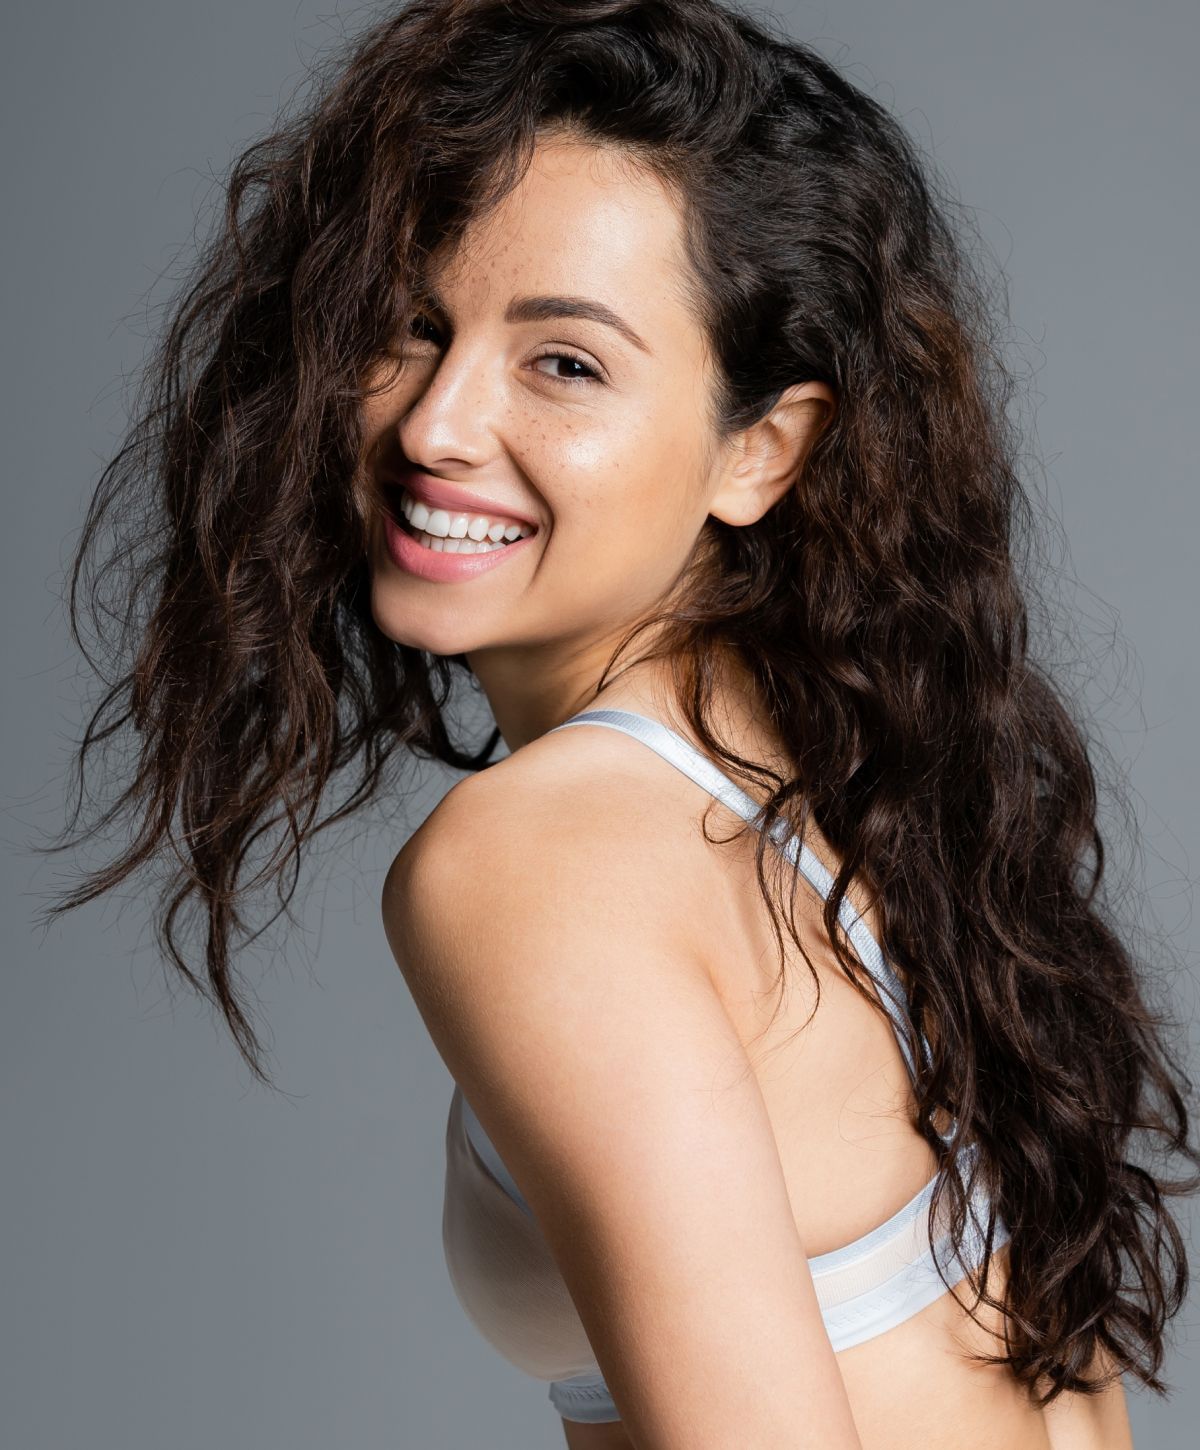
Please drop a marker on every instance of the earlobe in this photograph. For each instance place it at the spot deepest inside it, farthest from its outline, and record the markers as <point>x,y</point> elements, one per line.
<point>768,456</point>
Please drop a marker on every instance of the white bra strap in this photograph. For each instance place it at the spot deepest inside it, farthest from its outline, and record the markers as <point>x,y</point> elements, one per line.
<point>685,757</point>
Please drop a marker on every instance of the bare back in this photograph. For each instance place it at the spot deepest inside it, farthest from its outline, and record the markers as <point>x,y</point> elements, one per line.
<point>837,1093</point>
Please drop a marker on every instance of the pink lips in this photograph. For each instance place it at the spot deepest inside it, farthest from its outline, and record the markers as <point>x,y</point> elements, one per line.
<point>414,558</point>
<point>438,493</point>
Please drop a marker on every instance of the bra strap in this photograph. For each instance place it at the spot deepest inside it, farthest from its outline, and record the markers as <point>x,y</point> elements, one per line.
<point>685,757</point>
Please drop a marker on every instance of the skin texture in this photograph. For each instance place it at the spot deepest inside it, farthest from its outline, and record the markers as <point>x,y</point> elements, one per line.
<point>579,953</point>
<point>620,474</point>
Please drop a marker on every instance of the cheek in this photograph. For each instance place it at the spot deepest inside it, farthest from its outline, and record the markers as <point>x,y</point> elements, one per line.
<point>632,477</point>
<point>387,397</point>
<point>376,416</point>
<point>638,460</point>
<point>623,528</point>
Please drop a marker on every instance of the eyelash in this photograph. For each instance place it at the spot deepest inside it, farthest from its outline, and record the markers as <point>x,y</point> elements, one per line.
<point>593,375</point>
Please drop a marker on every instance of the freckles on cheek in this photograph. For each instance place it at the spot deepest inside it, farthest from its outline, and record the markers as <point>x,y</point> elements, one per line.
<point>611,469</point>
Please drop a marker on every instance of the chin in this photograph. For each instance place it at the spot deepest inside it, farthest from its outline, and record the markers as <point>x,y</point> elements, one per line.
<point>398,621</point>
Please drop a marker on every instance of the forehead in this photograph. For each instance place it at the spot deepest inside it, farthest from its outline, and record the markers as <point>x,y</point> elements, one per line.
<point>584,219</point>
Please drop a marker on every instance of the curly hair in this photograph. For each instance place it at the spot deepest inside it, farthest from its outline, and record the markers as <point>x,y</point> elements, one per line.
<point>879,604</point>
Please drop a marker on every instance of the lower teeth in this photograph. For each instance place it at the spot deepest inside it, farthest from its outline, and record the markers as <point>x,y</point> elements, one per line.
<point>437,543</point>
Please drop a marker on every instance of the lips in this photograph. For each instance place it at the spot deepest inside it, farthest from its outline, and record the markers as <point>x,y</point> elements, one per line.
<point>439,493</point>
<point>433,566</point>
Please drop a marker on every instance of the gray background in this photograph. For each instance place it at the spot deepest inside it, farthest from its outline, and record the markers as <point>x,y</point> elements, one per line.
<point>191,1261</point>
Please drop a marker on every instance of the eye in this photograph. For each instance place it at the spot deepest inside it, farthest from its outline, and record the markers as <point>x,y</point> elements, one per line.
<point>410,335</point>
<point>422,329</point>
<point>589,374</point>
<point>419,324</point>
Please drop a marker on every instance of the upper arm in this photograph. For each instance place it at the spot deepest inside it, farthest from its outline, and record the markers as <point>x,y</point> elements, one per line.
<point>568,1003</point>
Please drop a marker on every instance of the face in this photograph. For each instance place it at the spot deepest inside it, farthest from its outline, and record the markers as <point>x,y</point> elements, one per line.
<point>590,430</point>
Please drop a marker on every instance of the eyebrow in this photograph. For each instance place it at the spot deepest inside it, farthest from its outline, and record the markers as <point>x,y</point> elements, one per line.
<point>544,308</point>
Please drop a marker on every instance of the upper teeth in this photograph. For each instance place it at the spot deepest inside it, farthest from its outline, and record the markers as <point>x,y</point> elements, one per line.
<point>446,525</point>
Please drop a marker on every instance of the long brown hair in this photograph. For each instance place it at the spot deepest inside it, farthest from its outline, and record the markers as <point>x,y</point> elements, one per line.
<point>879,604</point>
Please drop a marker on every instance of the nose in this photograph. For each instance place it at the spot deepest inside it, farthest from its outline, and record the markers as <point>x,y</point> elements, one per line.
<point>452,417</point>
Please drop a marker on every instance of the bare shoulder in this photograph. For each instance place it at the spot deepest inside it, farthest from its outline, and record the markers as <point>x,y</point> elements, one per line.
<point>539,926</point>
<point>585,811</point>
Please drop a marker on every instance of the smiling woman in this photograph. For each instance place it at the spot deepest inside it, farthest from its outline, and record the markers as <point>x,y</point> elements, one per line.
<point>547,329</point>
<point>617,468</point>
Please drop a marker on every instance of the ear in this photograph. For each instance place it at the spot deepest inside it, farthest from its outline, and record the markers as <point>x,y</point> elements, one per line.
<point>764,460</point>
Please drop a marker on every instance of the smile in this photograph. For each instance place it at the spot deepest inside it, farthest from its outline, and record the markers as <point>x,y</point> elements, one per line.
<point>456,532</point>
<point>442,544</point>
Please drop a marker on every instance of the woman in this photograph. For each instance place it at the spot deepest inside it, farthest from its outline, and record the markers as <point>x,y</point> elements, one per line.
<point>620,359</point>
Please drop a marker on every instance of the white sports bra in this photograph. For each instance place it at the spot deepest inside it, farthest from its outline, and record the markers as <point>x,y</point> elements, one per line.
<point>501,1267</point>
